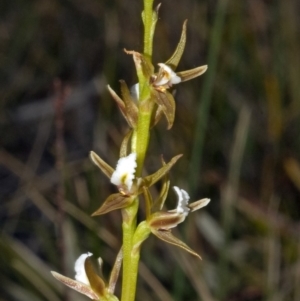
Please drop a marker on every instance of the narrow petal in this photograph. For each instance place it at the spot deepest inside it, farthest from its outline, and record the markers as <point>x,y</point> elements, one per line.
<point>126,106</point>
<point>97,284</point>
<point>118,100</point>
<point>159,203</point>
<point>124,173</point>
<point>152,179</point>
<point>113,202</point>
<point>198,204</point>
<point>192,73</point>
<point>114,275</point>
<point>131,110</point>
<point>166,101</point>
<point>176,56</point>
<point>124,145</point>
<point>105,168</point>
<point>142,63</point>
<point>158,114</point>
<point>168,237</point>
<point>148,201</point>
<point>165,220</point>
<point>76,285</point>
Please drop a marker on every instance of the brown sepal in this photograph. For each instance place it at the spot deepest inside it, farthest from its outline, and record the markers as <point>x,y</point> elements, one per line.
<point>165,100</point>
<point>128,113</point>
<point>141,63</point>
<point>114,275</point>
<point>76,285</point>
<point>113,202</point>
<point>118,100</point>
<point>165,220</point>
<point>105,168</point>
<point>131,108</point>
<point>152,179</point>
<point>148,201</point>
<point>124,145</point>
<point>198,204</point>
<point>168,237</point>
<point>192,73</point>
<point>176,56</point>
<point>159,203</point>
<point>157,116</point>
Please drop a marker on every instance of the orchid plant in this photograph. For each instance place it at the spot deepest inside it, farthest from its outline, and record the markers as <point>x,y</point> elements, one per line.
<point>142,107</point>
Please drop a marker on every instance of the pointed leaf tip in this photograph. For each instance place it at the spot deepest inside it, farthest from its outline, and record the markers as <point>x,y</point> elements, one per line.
<point>168,237</point>
<point>75,285</point>
<point>173,61</point>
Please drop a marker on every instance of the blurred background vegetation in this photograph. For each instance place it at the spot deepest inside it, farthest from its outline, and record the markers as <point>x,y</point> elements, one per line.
<point>238,127</point>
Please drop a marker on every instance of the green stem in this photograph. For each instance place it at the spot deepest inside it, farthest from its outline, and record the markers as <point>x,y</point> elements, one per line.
<point>148,18</point>
<point>129,273</point>
<point>139,145</point>
<point>142,134</point>
<point>129,291</point>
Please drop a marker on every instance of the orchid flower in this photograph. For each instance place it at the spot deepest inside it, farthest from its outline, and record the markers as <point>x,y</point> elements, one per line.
<point>159,83</point>
<point>124,178</point>
<point>87,282</point>
<point>160,223</point>
<point>142,107</point>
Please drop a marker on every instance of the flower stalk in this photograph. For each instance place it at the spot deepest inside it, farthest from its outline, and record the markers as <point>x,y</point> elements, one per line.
<point>139,145</point>
<point>149,17</point>
<point>142,109</point>
<point>130,263</point>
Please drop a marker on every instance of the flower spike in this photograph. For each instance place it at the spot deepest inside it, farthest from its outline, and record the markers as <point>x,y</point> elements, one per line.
<point>142,106</point>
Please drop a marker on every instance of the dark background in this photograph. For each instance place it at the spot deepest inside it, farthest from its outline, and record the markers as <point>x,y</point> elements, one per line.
<point>237,126</point>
